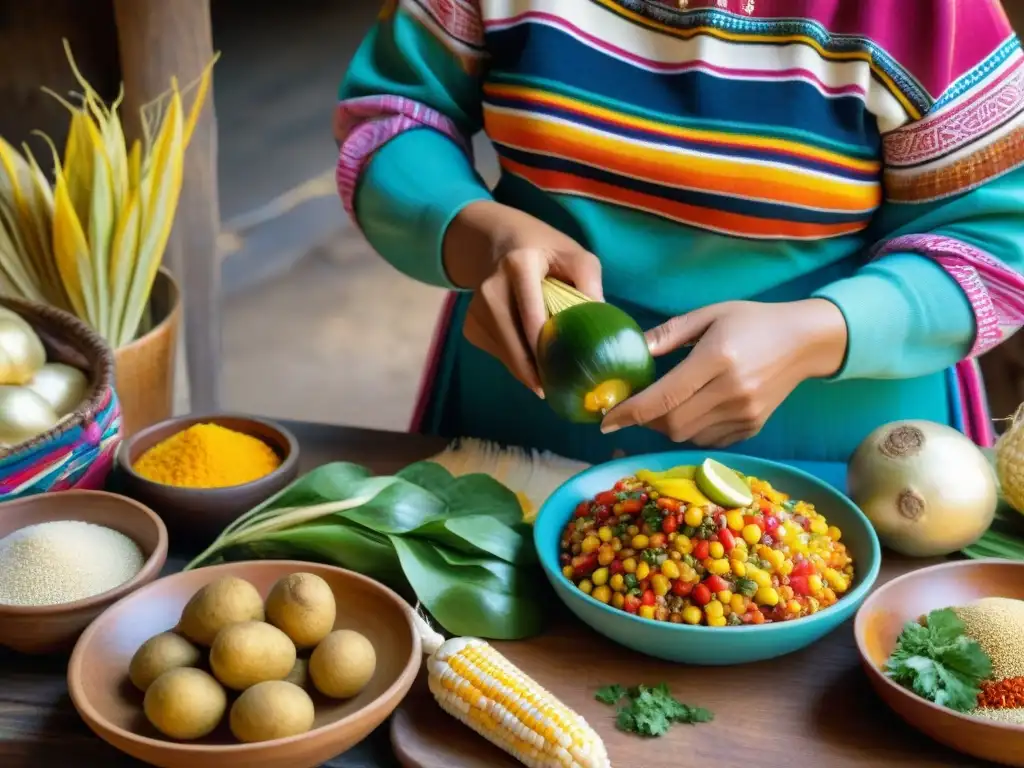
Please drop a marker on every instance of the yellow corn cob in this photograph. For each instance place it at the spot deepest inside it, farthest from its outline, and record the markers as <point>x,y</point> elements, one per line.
<point>477,685</point>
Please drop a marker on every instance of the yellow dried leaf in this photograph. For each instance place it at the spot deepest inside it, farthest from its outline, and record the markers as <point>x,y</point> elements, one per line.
<point>101,226</point>
<point>123,252</point>
<point>71,251</point>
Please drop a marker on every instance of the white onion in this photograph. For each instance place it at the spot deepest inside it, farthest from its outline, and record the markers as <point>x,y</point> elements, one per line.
<point>927,489</point>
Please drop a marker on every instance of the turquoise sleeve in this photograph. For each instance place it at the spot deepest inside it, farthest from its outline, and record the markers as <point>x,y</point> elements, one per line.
<point>906,315</point>
<point>418,181</point>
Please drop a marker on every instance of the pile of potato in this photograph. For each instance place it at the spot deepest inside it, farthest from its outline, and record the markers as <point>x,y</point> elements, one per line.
<point>256,649</point>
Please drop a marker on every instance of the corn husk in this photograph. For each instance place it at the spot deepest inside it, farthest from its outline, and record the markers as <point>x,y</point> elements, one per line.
<point>559,296</point>
<point>93,241</point>
<point>532,475</point>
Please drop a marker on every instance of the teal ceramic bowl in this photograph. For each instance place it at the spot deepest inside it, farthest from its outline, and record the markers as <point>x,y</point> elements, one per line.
<point>699,644</point>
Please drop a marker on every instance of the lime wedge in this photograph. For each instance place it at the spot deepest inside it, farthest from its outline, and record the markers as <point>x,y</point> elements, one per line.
<point>722,485</point>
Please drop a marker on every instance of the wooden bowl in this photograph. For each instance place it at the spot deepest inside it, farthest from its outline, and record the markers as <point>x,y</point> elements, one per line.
<point>195,516</point>
<point>54,628</point>
<point>112,708</point>
<point>909,597</point>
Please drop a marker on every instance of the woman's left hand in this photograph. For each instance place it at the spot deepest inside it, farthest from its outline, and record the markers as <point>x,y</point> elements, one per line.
<point>747,358</point>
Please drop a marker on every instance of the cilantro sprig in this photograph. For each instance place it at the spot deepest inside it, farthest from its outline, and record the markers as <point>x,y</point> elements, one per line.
<point>938,662</point>
<point>649,711</point>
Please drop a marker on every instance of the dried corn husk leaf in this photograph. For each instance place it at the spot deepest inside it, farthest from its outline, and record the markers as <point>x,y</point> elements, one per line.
<point>160,187</point>
<point>122,258</point>
<point>101,225</point>
<point>42,225</point>
<point>71,251</point>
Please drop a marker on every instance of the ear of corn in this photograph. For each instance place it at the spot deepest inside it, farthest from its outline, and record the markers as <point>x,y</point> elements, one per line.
<point>475,684</point>
<point>92,242</point>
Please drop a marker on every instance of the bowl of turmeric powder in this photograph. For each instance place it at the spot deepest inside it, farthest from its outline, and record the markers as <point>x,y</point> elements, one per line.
<point>201,472</point>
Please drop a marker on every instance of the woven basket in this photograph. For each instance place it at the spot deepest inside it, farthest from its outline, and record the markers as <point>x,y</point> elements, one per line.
<point>79,451</point>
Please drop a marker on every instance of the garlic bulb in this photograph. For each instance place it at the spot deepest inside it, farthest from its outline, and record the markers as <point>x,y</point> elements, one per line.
<point>23,415</point>
<point>62,386</point>
<point>21,351</point>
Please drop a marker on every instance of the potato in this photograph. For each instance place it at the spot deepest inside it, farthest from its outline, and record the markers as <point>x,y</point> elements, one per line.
<point>185,703</point>
<point>302,606</point>
<point>271,710</point>
<point>342,664</point>
<point>221,603</point>
<point>160,654</point>
<point>249,653</point>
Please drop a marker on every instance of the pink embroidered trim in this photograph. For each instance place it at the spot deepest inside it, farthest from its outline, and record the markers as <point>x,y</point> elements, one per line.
<point>960,124</point>
<point>365,124</point>
<point>996,291</point>
<point>458,19</point>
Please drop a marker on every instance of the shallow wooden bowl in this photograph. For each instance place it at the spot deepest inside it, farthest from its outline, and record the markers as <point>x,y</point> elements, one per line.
<point>112,708</point>
<point>909,597</point>
<point>54,628</point>
<point>194,516</point>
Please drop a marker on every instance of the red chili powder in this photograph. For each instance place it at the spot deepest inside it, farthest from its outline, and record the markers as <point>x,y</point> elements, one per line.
<point>1002,694</point>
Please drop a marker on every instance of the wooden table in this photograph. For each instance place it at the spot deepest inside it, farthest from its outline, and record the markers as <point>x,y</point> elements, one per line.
<point>816,705</point>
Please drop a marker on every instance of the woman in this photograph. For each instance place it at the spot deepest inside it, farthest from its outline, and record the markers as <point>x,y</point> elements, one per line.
<point>814,205</point>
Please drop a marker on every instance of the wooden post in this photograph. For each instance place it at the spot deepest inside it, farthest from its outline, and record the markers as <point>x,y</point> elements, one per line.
<point>158,39</point>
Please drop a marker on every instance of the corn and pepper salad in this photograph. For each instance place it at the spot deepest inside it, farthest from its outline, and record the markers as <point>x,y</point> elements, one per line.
<point>683,559</point>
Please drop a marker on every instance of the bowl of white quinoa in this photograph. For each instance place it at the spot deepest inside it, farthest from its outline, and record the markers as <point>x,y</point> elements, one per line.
<point>65,558</point>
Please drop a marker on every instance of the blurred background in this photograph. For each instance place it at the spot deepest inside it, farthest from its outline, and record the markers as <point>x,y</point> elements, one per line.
<point>315,326</point>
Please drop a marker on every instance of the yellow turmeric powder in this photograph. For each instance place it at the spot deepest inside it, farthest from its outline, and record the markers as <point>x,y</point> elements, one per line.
<point>207,456</point>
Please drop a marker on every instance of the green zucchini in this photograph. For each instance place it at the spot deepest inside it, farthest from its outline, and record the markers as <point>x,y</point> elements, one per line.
<point>591,356</point>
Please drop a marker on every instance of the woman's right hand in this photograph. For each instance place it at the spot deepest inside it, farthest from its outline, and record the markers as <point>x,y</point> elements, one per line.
<point>503,255</point>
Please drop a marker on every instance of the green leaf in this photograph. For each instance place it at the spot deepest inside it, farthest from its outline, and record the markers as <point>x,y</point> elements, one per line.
<point>610,694</point>
<point>428,475</point>
<point>342,544</point>
<point>481,533</point>
<point>400,508</point>
<point>470,601</point>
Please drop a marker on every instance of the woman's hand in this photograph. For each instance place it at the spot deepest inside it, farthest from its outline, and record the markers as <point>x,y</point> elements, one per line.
<point>503,255</point>
<point>747,358</point>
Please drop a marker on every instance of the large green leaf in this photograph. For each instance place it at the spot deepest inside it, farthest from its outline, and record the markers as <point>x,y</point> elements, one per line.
<point>475,494</point>
<point>475,534</point>
<point>471,600</point>
<point>399,508</point>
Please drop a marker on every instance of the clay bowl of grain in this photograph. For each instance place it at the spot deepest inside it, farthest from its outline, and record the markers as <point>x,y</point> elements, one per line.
<point>99,685</point>
<point>195,516</point>
<point>951,585</point>
<point>87,549</point>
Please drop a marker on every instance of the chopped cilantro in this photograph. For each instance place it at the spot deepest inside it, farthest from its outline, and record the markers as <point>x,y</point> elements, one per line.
<point>789,505</point>
<point>620,530</point>
<point>650,711</point>
<point>746,587</point>
<point>651,555</point>
<point>631,581</point>
<point>689,531</point>
<point>938,662</point>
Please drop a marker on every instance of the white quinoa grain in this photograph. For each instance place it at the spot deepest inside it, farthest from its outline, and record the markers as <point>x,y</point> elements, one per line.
<point>65,560</point>
<point>997,624</point>
<point>1010,716</point>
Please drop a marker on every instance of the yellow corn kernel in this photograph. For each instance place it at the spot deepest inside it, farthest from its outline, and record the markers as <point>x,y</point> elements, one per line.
<point>646,611</point>
<point>716,621</point>
<point>751,534</point>
<point>738,603</point>
<point>632,531</point>
<point>834,533</point>
<point>692,614</point>
<point>618,599</point>
<point>785,592</point>
<point>670,569</point>
<point>617,582</point>
<point>616,545</point>
<point>786,568</point>
<point>813,605</point>
<point>814,584</point>
<point>643,570</point>
<point>468,677</point>
<point>836,580</point>
<point>602,593</point>
<point>599,577</point>
<point>734,519</point>
<point>688,574</point>
<point>567,571</point>
<point>586,586</point>
<point>766,596</point>
<point>719,567</point>
<point>725,596</point>
<point>605,555</point>
<point>590,544</point>
<point>716,550</point>
<point>819,526</point>
<point>640,541</point>
<point>714,608</point>
<point>604,533</point>
<point>739,553</point>
<point>629,565</point>
<point>693,517</point>
<point>828,595</point>
<point>793,607</point>
<point>660,584</point>
<point>739,568</point>
<point>683,545</point>
<point>761,578</point>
